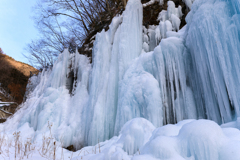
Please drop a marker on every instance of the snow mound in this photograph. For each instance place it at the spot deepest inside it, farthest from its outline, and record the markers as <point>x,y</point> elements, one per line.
<point>189,139</point>
<point>135,134</point>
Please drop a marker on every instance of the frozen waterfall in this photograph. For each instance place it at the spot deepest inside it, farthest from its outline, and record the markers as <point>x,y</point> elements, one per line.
<point>191,74</point>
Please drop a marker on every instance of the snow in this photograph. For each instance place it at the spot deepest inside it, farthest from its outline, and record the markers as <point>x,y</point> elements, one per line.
<point>139,139</point>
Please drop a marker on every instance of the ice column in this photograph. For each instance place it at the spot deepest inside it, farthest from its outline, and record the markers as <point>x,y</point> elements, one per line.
<point>130,46</point>
<point>214,47</point>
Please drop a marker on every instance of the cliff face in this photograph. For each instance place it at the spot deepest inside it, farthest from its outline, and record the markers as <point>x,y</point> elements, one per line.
<point>14,77</point>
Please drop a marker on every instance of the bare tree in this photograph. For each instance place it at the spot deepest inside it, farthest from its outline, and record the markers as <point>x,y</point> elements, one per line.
<point>1,51</point>
<point>61,21</point>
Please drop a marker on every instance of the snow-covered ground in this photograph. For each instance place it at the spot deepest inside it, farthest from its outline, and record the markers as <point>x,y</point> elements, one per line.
<point>138,140</point>
<point>123,106</point>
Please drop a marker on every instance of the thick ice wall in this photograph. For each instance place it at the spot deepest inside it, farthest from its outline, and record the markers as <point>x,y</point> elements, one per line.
<point>113,52</point>
<point>98,89</point>
<point>213,42</point>
<point>154,87</point>
<point>139,94</point>
<point>177,97</point>
<point>104,85</point>
<point>73,130</point>
<point>130,46</point>
<point>112,90</point>
<point>235,6</point>
<point>61,66</point>
<point>50,103</point>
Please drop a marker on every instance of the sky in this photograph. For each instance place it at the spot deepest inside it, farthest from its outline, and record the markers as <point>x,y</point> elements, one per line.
<point>16,27</point>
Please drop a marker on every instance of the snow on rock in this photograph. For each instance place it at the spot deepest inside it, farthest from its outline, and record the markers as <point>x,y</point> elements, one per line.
<point>169,21</point>
<point>163,16</point>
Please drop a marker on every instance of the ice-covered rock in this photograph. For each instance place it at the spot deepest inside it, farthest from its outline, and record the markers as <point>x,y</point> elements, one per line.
<point>169,21</point>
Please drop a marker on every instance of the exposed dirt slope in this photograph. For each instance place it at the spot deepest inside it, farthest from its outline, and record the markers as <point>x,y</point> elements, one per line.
<point>20,66</point>
<point>14,76</point>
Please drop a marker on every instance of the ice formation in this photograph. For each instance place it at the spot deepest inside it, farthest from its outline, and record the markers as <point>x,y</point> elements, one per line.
<point>161,2</point>
<point>169,20</point>
<point>144,78</point>
<point>188,3</point>
<point>213,45</point>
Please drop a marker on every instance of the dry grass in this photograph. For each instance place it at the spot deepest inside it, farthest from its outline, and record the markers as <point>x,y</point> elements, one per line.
<point>19,149</point>
<point>20,66</point>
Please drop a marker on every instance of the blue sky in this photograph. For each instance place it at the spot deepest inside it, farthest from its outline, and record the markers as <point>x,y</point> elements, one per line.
<point>16,27</point>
